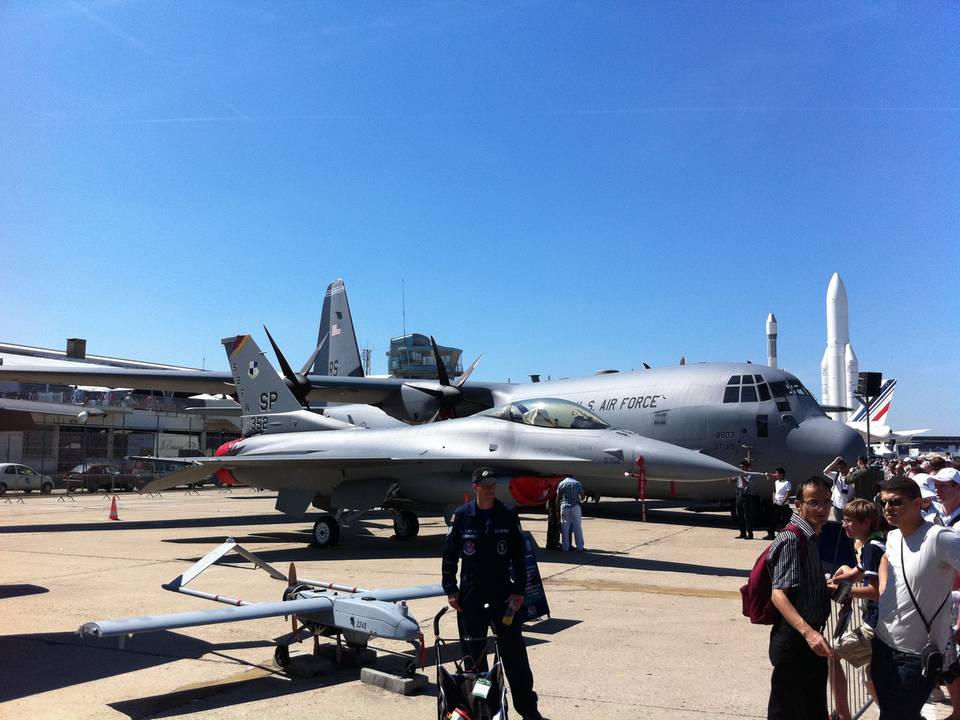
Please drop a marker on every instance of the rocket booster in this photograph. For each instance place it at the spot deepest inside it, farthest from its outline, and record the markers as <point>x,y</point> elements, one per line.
<point>839,367</point>
<point>771,340</point>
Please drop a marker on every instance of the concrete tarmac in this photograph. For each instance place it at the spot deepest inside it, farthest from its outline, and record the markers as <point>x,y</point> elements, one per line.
<point>645,624</point>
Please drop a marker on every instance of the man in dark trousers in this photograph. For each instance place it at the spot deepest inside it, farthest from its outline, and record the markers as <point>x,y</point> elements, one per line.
<point>798,650</point>
<point>486,540</point>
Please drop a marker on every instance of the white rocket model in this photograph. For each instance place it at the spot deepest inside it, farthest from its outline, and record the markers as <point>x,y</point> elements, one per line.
<point>839,367</point>
<point>771,340</point>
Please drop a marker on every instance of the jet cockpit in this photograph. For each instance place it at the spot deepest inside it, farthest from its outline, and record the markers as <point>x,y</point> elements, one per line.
<point>549,412</point>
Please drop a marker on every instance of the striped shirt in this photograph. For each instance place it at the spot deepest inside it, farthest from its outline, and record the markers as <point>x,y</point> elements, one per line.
<point>569,491</point>
<point>799,572</point>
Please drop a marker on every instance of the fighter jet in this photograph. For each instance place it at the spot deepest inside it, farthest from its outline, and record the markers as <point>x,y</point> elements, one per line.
<point>725,410</point>
<point>532,443</point>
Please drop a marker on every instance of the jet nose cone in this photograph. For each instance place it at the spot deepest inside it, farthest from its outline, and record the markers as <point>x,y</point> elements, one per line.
<point>819,440</point>
<point>663,461</point>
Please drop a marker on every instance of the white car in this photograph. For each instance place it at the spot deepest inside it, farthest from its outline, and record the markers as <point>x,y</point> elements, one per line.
<point>20,477</point>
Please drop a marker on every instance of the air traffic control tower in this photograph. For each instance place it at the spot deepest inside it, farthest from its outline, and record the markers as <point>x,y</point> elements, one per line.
<point>411,356</point>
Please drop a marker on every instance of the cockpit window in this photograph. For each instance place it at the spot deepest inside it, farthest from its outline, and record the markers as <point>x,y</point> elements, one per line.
<point>549,412</point>
<point>778,388</point>
<point>734,380</point>
<point>795,387</point>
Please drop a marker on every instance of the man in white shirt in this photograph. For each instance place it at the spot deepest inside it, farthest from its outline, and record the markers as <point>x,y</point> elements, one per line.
<point>780,512</point>
<point>916,577</point>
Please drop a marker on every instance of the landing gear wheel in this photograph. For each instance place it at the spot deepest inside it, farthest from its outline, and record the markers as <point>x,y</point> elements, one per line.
<point>281,656</point>
<point>326,532</point>
<point>405,525</point>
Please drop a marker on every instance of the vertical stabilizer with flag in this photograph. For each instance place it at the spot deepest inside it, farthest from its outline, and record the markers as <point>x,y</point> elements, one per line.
<point>340,354</point>
<point>879,407</point>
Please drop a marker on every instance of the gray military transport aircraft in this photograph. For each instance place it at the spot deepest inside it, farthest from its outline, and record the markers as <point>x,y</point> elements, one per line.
<point>726,410</point>
<point>533,442</point>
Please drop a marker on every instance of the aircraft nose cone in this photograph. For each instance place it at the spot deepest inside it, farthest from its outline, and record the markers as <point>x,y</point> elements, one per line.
<point>663,461</point>
<point>817,441</point>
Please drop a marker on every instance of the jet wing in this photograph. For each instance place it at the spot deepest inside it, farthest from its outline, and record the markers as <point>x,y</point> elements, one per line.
<point>48,408</point>
<point>194,382</point>
<point>316,460</point>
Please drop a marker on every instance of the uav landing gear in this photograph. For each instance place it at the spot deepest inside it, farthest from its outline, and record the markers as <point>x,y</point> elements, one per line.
<point>326,532</point>
<point>406,526</point>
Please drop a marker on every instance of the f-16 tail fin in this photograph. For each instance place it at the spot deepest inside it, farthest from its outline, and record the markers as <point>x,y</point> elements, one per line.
<point>879,407</point>
<point>340,354</point>
<point>266,403</point>
<point>259,388</point>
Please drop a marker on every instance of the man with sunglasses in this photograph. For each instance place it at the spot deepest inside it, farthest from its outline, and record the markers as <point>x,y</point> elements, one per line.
<point>916,577</point>
<point>798,650</point>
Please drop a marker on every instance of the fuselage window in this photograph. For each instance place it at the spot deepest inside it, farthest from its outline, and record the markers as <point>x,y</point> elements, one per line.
<point>783,406</point>
<point>748,393</point>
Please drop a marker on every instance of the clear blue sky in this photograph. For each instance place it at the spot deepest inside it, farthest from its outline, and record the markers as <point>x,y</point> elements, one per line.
<point>563,186</point>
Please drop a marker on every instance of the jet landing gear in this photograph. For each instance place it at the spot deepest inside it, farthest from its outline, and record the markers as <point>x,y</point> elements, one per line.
<point>406,526</point>
<point>326,532</point>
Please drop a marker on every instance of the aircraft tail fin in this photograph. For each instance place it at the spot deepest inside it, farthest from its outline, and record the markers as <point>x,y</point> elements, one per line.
<point>260,389</point>
<point>879,409</point>
<point>340,354</point>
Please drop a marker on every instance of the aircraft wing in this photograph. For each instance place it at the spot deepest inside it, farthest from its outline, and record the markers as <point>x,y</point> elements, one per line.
<point>413,592</point>
<point>48,408</point>
<point>194,382</point>
<point>152,623</point>
<point>316,460</point>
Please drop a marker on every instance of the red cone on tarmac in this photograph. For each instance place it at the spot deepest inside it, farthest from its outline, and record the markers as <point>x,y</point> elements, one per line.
<point>113,509</point>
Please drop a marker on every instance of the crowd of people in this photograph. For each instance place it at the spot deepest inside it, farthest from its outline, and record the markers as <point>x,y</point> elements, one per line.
<point>903,516</point>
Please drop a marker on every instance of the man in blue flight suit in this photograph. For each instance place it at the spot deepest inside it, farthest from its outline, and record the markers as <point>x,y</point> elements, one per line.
<point>485,538</point>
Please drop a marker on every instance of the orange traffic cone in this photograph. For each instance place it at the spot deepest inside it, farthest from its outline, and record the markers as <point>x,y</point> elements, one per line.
<point>113,509</point>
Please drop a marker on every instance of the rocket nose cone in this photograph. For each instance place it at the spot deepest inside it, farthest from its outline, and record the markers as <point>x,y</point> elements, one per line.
<point>663,461</point>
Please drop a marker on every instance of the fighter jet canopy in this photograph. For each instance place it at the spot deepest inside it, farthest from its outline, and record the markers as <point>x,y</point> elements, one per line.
<point>549,412</point>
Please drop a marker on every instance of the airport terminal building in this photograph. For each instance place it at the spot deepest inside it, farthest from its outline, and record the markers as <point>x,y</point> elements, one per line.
<point>53,428</point>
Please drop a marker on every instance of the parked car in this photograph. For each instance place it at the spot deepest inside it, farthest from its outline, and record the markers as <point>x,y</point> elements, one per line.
<point>99,476</point>
<point>21,477</point>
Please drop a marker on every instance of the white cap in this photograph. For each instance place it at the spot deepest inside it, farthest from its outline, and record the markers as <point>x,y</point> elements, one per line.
<point>927,488</point>
<point>948,475</point>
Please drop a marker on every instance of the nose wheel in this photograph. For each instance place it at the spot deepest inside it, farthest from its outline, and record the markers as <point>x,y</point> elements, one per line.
<point>326,532</point>
<point>406,526</point>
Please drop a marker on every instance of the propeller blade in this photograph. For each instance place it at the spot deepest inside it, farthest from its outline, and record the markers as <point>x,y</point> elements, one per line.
<point>313,358</point>
<point>284,365</point>
<point>442,375</point>
<point>463,378</point>
<point>292,581</point>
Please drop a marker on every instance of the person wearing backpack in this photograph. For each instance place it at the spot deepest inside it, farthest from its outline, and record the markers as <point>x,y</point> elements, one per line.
<point>916,578</point>
<point>798,650</point>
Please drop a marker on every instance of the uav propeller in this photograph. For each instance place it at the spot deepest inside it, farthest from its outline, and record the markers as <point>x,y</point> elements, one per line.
<point>297,382</point>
